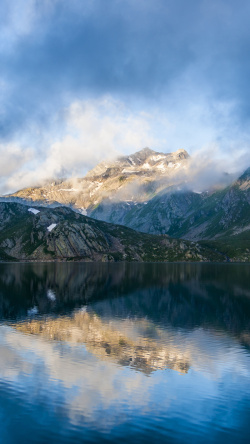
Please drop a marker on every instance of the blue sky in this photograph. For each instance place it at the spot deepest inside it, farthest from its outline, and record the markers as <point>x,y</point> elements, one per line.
<point>83,80</point>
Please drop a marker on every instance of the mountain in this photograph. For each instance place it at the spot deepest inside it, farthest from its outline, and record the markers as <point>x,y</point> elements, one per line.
<point>130,178</point>
<point>186,214</point>
<point>220,214</point>
<point>147,191</point>
<point>62,234</point>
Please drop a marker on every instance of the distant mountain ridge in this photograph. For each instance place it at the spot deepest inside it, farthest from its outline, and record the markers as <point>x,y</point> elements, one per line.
<point>188,214</point>
<point>142,161</point>
<point>132,177</point>
<point>146,191</point>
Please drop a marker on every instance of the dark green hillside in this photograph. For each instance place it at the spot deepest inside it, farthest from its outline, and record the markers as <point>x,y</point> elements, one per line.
<point>236,247</point>
<point>25,236</point>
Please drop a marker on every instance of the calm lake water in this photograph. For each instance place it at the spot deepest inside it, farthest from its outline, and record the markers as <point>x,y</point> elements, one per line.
<point>124,352</point>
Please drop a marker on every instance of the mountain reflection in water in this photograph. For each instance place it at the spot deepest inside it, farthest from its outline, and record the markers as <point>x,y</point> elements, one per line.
<point>177,295</point>
<point>105,341</point>
<point>124,352</point>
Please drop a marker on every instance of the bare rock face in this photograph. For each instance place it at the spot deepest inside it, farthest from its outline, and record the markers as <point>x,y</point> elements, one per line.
<point>146,192</point>
<point>62,234</point>
<point>132,178</point>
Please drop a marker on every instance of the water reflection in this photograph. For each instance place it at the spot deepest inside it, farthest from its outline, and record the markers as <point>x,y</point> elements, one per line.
<point>108,341</point>
<point>118,352</point>
<point>180,295</point>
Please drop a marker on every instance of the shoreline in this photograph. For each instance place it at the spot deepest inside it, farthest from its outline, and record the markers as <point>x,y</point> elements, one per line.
<point>119,262</point>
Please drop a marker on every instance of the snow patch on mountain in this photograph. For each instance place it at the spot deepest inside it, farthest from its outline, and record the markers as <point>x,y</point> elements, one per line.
<point>50,228</point>
<point>69,189</point>
<point>33,210</point>
<point>158,157</point>
<point>146,166</point>
<point>83,211</point>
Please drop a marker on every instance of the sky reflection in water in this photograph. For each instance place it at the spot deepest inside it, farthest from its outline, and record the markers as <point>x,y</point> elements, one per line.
<point>124,351</point>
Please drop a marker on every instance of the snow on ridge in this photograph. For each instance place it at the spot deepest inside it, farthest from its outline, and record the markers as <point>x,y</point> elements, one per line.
<point>158,157</point>
<point>69,189</point>
<point>98,185</point>
<point>161,166</point>
<point>83,211</point>
<point>146,166</point>
<point>50,228</point>
<point>128,170</point>
<point>33,210</point>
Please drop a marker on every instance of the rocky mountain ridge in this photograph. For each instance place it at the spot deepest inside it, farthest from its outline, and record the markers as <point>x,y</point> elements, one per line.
<point>186,214</point>
<point>62,234</point>
<point>147,192</point>
<point>128,178</point>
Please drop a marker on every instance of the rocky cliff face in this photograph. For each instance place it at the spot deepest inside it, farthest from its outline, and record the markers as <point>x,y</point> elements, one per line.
<point>134,178</point>
<point>191,215</point>
<point>61,234</point>
<point>185,214</point>
<point>146,192</point>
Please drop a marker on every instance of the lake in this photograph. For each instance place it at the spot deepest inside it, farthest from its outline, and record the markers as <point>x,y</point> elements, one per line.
<point>124,352</point>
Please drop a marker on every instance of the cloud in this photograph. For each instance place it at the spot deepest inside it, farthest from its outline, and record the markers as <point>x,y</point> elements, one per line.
<point>94,130</point>
<point>180,71</point>
<point>45,368</point>
<point>101,129</point>
<point>13,158</point>
<point>158,51</point>
<point>209,167</point>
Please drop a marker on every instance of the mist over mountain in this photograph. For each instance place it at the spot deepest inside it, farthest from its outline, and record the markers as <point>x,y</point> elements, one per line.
<point>157,193</point>
<point>132,178</point>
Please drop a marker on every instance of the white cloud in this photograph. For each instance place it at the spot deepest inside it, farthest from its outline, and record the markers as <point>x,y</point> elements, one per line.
<point>13,158</point>
<point>24,355</point>
<point>95,130</point>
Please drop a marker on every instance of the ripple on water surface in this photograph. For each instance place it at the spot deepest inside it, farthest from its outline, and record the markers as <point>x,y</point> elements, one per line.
<point>118,352</point>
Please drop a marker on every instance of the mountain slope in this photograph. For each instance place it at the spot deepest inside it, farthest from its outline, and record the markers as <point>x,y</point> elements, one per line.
<point>61,234</point>
<point>221,214</point>
<point>147,192</point>
<point>136,177</point>
<point>186,214</point>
